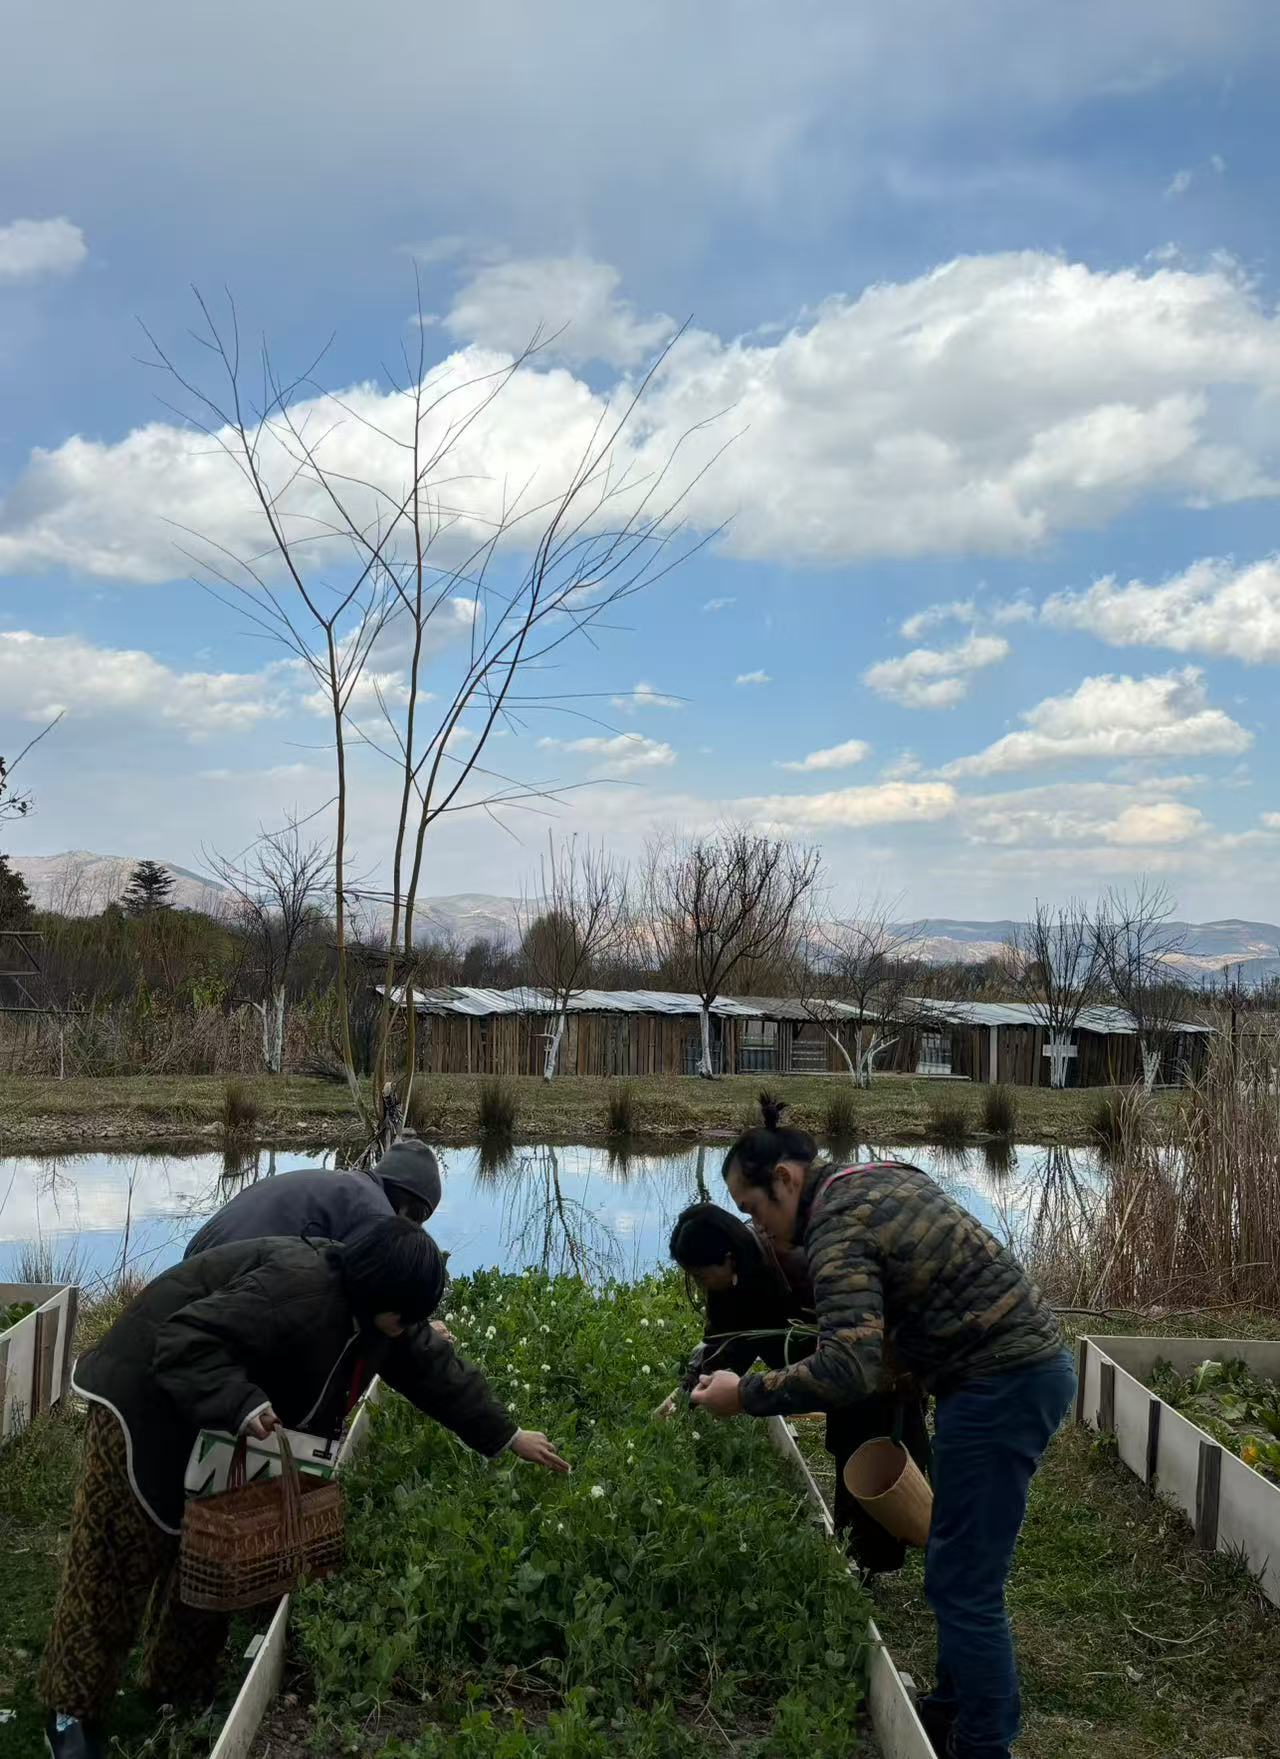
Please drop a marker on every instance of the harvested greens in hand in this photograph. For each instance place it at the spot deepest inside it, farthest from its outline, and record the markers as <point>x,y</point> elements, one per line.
<point>1234,1406</point>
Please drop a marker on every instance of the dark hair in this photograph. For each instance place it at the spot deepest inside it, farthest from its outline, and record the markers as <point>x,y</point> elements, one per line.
<point>757,1152</point>
<point>706,1234</point>
<point>392,1266</point>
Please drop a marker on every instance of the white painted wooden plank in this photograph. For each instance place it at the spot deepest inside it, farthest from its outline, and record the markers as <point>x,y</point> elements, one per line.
<point>21,1367</point>
<point>898,1729</point>
<point>1140,1355</point>
<point>1178,1460</point>
<point>1249,1517</point>
<point>1133,1401</point>
<point>260,1686</point>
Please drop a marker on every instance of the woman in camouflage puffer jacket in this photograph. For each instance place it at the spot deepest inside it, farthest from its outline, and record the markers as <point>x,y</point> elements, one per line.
<point>897,1263</point>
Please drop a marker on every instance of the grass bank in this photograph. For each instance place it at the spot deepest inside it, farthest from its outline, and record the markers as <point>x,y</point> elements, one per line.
<point>295,1110</point>
<point>1133,1644</point>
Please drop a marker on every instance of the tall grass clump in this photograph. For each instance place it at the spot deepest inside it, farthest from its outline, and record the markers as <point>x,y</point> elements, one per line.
<point>840,1116</point>
<point>999,1112</point>
<point>1191,1216</point>
<point>620,1109</point>
<point>496,1108</point>
<point>1107,1121</point>
<point>424,1114</point>
<point>949,1123</point>
<point>240,1110</point>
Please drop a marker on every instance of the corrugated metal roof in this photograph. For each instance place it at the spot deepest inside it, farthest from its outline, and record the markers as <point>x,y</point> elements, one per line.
<point>484,1003</point>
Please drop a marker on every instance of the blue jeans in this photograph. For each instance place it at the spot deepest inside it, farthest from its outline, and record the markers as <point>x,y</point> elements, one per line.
<point>989,1437</point>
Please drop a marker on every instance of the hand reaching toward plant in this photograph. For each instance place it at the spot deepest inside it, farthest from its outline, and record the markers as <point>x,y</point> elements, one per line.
<point>718,1393</point>
<point>262,1423</point>
<point>441,1330</point>
<point>532,1445</point>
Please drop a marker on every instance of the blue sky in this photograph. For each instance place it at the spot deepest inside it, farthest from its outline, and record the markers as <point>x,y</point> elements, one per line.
<point>986,295</point>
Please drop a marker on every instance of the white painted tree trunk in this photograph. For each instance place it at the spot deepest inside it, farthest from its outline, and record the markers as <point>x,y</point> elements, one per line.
<point>866,1061</point>
<point>272,1013</point>
<point>1150,1068</point>
<point>845,1058</point>
<point>705,1068</point>
<point>1059,1049</point>
<point>552,1060</point>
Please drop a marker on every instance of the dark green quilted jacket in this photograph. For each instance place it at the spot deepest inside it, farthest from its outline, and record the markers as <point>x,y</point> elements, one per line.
<point>896,1262</point>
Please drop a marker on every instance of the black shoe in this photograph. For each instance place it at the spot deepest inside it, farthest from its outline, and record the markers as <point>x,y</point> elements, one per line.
<point>67,1737</point>
<point>937,1725</point>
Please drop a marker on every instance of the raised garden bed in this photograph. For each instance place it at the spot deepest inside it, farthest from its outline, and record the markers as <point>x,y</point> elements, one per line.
<point>1232,1506</point>
<point>36,1324</point>
<point>676,1596</point>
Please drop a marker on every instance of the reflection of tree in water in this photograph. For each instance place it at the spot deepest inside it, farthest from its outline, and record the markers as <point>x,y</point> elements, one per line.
<point>1048,1219</point>
<point>244,1166</point>
<point>544,1227</point>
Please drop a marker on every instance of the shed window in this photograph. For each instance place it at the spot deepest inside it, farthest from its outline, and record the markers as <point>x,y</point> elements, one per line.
<point>935,1054</point>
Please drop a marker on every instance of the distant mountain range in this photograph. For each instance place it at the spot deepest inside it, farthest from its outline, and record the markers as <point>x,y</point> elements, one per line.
<point>80,884</point>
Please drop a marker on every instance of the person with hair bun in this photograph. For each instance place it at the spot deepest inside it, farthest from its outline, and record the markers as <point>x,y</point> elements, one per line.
<point>759,1307</point>
<point>897,1265</point>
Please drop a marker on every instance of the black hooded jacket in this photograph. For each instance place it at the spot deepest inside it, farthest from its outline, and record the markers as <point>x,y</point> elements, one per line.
<point>327,1205</point>
<point>217,1337</point>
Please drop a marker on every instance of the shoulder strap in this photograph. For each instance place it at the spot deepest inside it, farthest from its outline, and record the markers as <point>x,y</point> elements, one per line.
<point>865,1166</point>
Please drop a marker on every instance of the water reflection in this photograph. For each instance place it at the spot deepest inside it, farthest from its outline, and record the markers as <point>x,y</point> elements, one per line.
<point>595,1211</point>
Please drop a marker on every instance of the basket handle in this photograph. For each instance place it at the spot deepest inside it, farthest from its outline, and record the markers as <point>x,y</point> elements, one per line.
<point>291,1498</point>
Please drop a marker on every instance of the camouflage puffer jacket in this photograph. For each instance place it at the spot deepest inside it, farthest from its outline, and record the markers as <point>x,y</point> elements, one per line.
<point>898,1267</point>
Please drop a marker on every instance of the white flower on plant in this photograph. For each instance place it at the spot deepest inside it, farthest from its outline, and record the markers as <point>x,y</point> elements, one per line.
<point>545,1369</point>
<point>523,1342</point>
<point>660,1323</point>
<point>646,1369</point>
<point>597,1491</point>
<point>559,1526</point>
<point>490,1332</point>
<point>696,1435</point>
<point>546,1328</point>
<point>742,1548</point>
<point>645,1324</point>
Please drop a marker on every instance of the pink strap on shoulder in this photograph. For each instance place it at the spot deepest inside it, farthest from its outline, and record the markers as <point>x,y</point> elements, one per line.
<point>865,1166</point>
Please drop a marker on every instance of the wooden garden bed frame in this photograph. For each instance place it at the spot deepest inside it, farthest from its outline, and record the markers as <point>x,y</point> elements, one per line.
<point>35,1354</point>
<point>1230,1506</point>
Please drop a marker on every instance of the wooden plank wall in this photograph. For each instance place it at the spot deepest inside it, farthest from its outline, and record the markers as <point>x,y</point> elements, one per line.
<point>623,1045</point>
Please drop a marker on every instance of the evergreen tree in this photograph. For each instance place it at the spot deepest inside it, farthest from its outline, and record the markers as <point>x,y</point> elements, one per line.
<point>148,889</point>
<point>16,908</point>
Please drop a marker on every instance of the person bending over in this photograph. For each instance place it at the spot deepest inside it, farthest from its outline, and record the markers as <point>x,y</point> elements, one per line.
<point>243,1338</point>
<point>896,1261</point>
<point>759,1306</point>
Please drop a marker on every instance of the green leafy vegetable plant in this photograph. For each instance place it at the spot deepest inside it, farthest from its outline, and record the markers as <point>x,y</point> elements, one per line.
<point>16,1310</point>
<point>1232,1405</point>
<point>670,1598</point>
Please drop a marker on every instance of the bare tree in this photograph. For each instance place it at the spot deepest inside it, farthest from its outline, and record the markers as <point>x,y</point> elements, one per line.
<point>477,596</point>
<point>576,916</point>
<point>12,803</point>
<point>859,963</point>
<point>715,903</point>
<point>1053,962</point>
<point>277,887</point>
<point>1136,940</point>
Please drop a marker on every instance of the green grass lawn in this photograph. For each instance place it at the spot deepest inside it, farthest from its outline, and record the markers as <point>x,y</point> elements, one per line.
<point>296,1109</point>
<point>1132,1643</point>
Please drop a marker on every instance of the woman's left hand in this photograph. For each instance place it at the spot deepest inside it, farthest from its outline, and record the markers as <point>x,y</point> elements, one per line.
<point>720,1393</point>
<point>441,1330</point>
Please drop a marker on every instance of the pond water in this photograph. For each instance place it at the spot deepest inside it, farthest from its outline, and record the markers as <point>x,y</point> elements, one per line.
<point>584,1209</point>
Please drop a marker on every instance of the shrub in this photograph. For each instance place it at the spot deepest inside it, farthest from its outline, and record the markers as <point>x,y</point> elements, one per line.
<point>240,1110</point>
<point>620,1109</point>
<point>999,1112</point>
<point>619,1596</point>
<point>840,1119</point>
<point>949,1122</point>
<point>496,1108</point>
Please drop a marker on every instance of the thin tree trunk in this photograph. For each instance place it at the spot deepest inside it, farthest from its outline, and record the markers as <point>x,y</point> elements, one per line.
<point>844,1054</point>
<point>1059,1044</point>
<point>552,1059</point>
<point>277,1033</point>
<point>705,1068</point>
<point>1150,1068</point>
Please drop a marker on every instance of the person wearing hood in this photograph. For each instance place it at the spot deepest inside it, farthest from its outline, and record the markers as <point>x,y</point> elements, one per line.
<point>244,1338</point>
<point>328,1205</point>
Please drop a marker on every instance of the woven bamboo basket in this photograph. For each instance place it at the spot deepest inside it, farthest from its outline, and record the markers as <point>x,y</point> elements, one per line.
<point>256,1542</point>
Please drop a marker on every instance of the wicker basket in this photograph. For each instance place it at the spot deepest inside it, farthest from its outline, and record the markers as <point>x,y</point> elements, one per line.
<point>253,1543</point>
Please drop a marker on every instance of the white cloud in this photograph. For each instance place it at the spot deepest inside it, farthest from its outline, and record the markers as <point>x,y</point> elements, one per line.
<point>1215,607</point>
<point>753,678</point>
<point>571,301</point>
<point>719,604</point>
<point>1084,815</point>
<point>901,768</point>
<point>834,757</point>
<point>935,677</point>
<point>29,248</point>
<point>617,755</point>
<point>1271,821</point>
<point>981,408</point>
<point>1179,184</point>
<point>956,610</point>
<point>1218,163</point>
<point>645,696</point>
<point>884,803</point>
<point>1013,611</point>
<point>1110,717</point>
<point>45,675</point>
